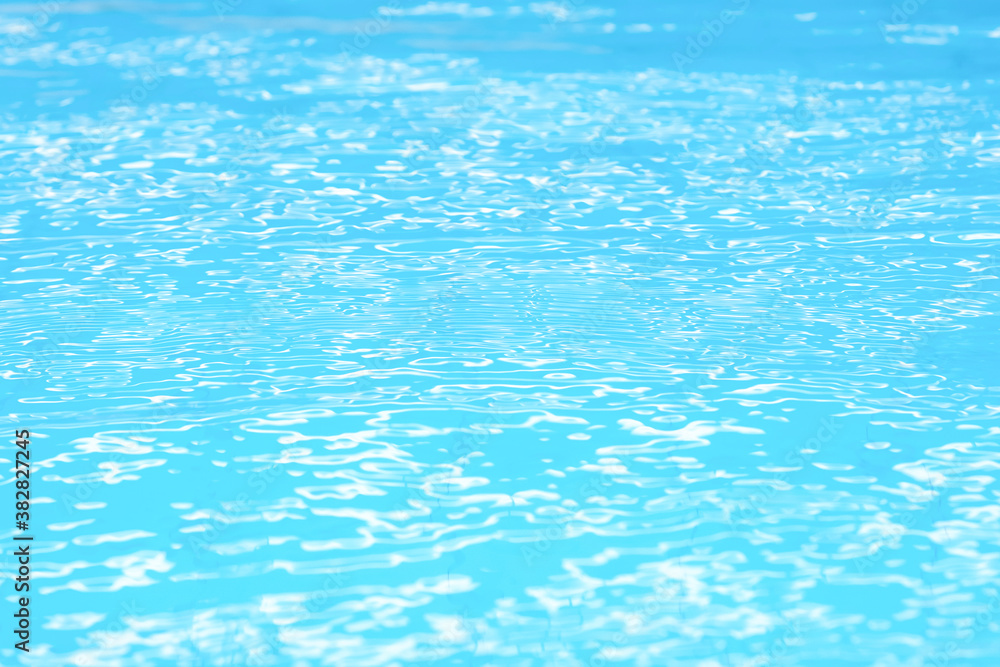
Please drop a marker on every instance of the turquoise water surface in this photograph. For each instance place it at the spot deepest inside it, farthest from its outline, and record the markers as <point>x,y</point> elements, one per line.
<point>565,333</point>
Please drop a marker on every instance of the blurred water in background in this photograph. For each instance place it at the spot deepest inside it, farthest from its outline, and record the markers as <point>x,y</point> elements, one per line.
<point>498,333</point>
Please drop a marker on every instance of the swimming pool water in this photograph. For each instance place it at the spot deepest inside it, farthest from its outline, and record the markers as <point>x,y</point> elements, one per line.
<point>562,333</point>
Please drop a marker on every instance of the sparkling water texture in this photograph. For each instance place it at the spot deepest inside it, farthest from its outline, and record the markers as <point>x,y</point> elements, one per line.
<point>576,333</point>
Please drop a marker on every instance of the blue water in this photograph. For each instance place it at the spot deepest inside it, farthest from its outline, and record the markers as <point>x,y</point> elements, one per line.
<point>565,333</point>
